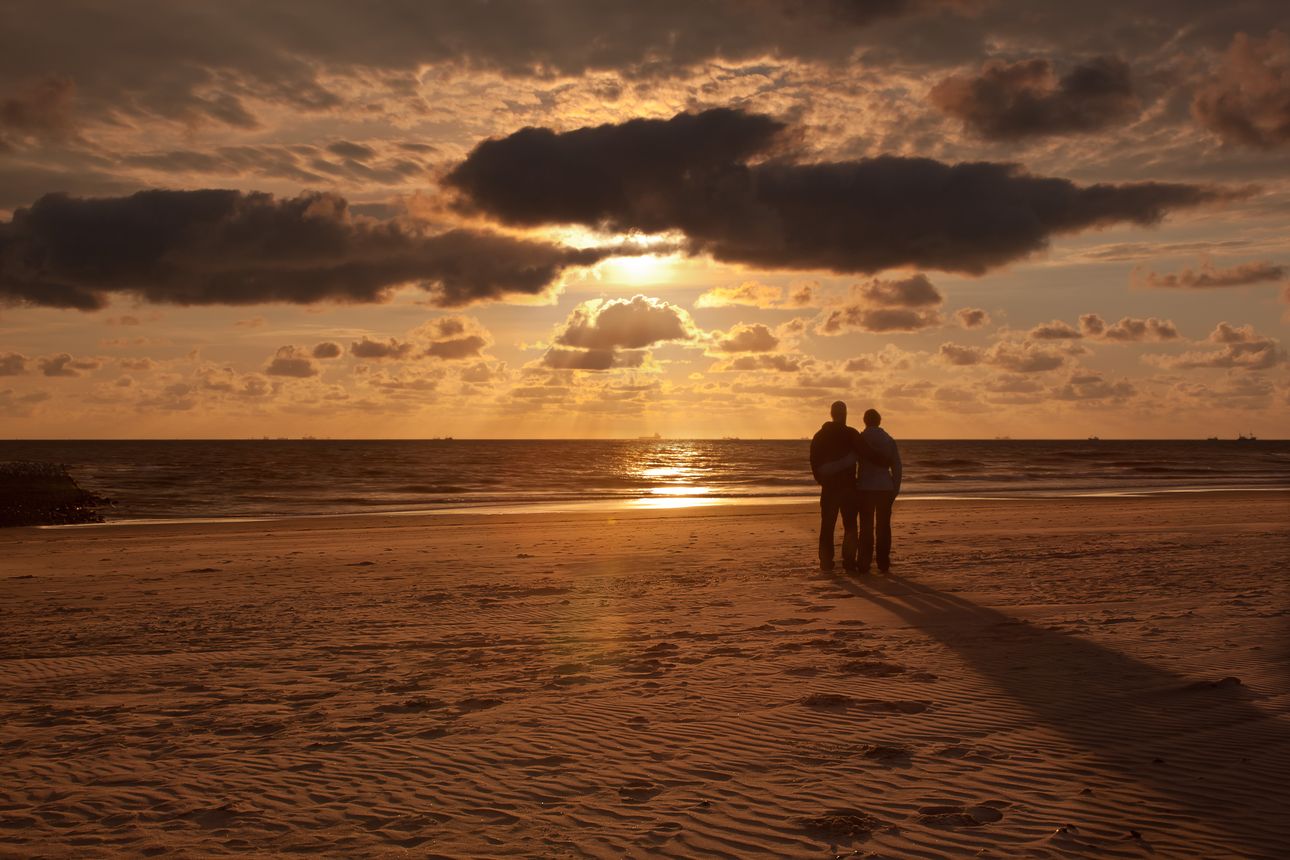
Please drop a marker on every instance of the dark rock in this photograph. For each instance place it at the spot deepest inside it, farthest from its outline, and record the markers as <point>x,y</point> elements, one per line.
<point>34,494</point>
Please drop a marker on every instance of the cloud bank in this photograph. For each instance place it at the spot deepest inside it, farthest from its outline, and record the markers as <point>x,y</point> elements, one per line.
<point>219,247</point>
<point>725,180</point>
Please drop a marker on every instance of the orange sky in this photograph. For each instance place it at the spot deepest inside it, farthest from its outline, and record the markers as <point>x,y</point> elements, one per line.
<point>800,177</point>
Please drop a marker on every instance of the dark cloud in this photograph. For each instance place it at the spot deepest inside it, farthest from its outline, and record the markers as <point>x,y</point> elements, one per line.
<point>41,108</point>
<point>1248,101</point>
<point>377,349</point>
<point>234,248</point>
<point>712,176</point>
<point>128,61</point>
<point>13,364</point>
<point>1011,101</point>
<point>1208,276</point>
<point>291,361</point>
<point>327,349</point>
<point>972,317</point>
<point>64,365</point>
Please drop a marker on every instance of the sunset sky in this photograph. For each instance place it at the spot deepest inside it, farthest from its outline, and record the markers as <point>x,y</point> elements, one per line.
<point>582,219</point>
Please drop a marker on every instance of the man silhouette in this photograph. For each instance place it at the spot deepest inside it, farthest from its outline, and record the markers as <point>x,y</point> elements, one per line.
<point>835,450</point>
<point>878,486</point>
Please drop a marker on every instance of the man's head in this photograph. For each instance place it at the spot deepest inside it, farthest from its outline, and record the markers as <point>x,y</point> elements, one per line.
<point>839,411</point>
<point>872,418</point>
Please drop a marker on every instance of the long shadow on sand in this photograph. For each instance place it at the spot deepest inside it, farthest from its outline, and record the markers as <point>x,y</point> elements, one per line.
<point>1206,746</point>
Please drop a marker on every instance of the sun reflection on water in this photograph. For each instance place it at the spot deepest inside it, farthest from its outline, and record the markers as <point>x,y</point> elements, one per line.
<point>672,473</point>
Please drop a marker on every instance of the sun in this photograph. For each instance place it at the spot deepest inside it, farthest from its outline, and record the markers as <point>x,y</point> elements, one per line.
<point>637,270</point>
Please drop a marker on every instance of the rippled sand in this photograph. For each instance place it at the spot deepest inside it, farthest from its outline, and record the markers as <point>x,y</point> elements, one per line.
<point>1091,678</point>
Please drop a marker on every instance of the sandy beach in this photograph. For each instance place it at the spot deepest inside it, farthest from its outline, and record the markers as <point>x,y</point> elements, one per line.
<point>1099,677</point>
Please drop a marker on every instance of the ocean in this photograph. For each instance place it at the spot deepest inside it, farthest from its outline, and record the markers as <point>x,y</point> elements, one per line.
<point>165,480</point>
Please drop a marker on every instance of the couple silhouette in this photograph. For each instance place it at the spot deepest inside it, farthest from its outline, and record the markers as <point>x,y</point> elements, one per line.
<point>859,476</point>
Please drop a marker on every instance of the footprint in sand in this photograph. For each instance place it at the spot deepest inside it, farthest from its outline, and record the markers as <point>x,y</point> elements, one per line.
<point>840,823</point>
<point>639,791</point>
<point>872,668</point>
<point>839,702</point>
<point>887,753</point>
<point>953,815</point>
<point>473,703</point>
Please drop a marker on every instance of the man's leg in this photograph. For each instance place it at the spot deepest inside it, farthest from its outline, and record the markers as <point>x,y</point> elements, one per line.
<point>882,509</point>
<point>865,557</point>
<point>850,511</point>
<point>828,518</point>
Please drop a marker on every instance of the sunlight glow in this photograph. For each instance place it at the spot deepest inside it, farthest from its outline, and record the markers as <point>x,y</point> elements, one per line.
<point>671,502</point>
<point>636,271</point>
<point>680,490</point>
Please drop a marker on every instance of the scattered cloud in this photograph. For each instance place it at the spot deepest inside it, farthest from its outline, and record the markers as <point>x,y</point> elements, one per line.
<point>746,338</point>
<point>603,334</point>
<point>1092,386</point>
<point>751,293</point>
<point>1248,100</point>
<point>64,365</point>
<point>376,350</point>
<point>1023,357</point>
<point>904,305</point>
<point>1240,348</point>
<point>775,362</point>
<point>292,361</point>
<point>13,364</point>
<point>20,405</point>
<point>327,349</point>
<point>1208,276</point>
<point>458,348</point>
<point>1055,330</point>
<point>632,323</point>
<point>972,317</point>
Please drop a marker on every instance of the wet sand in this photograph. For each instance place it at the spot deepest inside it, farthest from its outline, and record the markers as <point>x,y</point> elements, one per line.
<point>1039,678</point>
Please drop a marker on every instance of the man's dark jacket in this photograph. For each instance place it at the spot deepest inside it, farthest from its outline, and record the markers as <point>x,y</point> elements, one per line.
<point>833,442</point>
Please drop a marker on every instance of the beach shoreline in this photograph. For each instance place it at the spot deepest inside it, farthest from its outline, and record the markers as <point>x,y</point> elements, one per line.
<point>1043,678</point>
<point>681,506</point>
